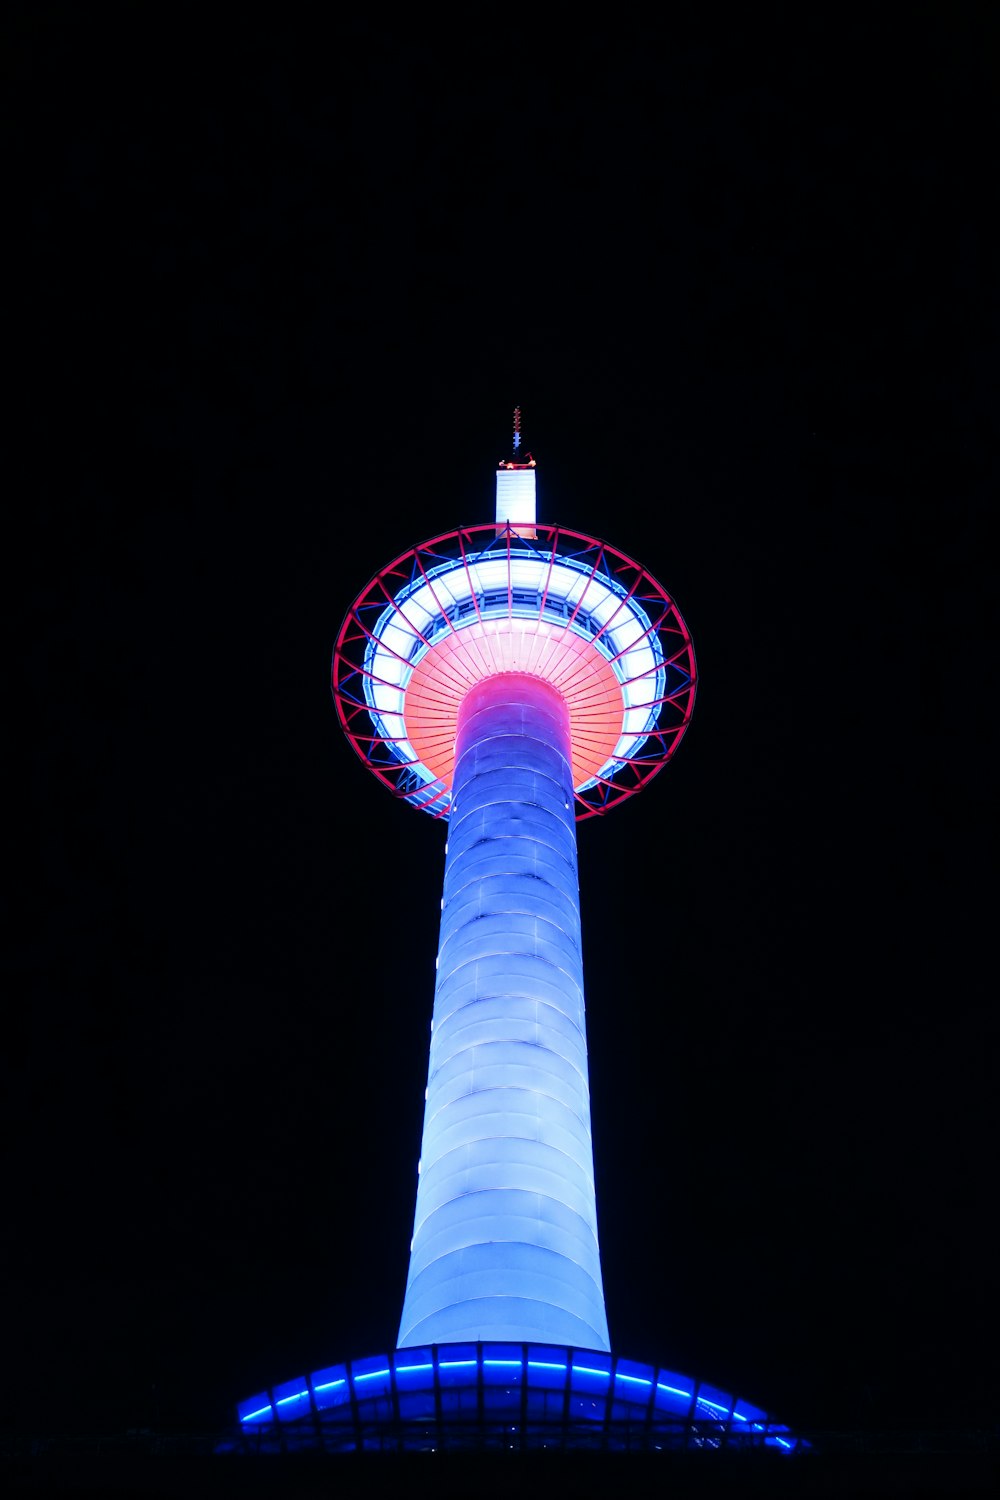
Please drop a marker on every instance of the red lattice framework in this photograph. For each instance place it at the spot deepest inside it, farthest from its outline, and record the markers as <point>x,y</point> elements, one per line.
<point>475,634</point>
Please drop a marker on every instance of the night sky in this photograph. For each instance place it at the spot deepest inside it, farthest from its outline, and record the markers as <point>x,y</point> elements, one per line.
<point>276,293</point>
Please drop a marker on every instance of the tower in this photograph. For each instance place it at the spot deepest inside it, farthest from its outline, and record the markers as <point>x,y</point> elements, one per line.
<point>509,679</point>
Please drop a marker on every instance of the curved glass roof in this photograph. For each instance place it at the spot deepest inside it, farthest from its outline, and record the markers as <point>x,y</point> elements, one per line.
<point>501,1395</point>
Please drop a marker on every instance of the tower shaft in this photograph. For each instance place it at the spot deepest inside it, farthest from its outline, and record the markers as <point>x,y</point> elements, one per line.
<point>505,1235</point>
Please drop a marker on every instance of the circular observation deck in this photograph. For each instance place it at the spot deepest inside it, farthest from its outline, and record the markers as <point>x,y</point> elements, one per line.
<point>495,598</point>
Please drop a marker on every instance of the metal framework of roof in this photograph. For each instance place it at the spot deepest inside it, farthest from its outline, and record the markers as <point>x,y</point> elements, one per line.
<point>487,1397</point>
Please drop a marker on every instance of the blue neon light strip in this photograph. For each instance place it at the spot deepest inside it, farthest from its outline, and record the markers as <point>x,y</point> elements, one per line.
<point>412,1369</point>
<point>299,1396</point>
<point>514,1364</point>
<point>541,1364</point>
<point>673,1390</point>
<point>633,1379</point>
<point>259,1413</point>
<point>586,1370</point>
<point>370,1375</point>
<point>329,1385</point>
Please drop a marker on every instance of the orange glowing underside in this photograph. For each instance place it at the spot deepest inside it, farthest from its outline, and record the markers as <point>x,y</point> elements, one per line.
<point>538,647</point>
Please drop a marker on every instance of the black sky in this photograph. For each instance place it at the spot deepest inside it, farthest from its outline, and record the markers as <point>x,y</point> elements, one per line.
<point>277,289</point>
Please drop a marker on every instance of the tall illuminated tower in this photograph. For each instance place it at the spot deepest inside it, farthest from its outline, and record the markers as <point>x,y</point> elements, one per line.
<point>510,679</point>
<point>511,683</point>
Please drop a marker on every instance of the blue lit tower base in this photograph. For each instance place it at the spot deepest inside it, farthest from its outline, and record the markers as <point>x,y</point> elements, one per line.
<point>510,680</point>
<point>500,1396</point>
<point>505,1236</point>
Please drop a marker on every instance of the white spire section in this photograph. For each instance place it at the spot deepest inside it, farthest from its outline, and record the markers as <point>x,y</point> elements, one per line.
<point>516,498</point>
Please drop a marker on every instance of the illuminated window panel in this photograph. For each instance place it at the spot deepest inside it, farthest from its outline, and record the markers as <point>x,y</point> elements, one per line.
<point>547,1367</point>
<point>375,1416</point>
<point>751,1416</point>
<point>255,1410</point>
<point>591,1374</point>
<point>503,1365</point>
<point>458,1366</point>
<point>460,1401</point>
<point>713,1402</point>
<point>415,1369</point>
<point>502,1403</point>
<point>633,1383</point>
<point>292,1400</point>
<point>371,1377</point>
<point>330,1387</point>
<point>417,1406</point>
<point>673,1394</point>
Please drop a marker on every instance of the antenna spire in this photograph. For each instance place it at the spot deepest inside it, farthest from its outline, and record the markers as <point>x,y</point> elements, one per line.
<point>517,429</point>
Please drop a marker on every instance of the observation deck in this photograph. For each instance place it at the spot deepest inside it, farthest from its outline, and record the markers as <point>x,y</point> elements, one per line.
<point>540,600</point>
